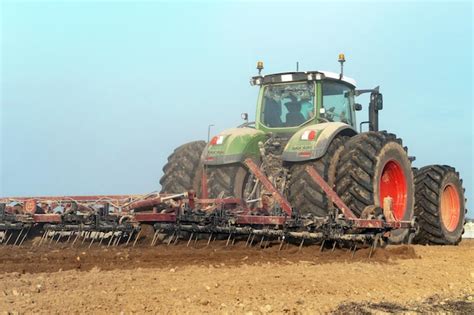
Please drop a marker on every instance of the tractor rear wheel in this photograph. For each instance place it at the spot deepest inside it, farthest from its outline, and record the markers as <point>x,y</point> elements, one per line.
<point>372,167</point>
<point>305,195</point>
<point>440,205</point>
<point>184,168</point>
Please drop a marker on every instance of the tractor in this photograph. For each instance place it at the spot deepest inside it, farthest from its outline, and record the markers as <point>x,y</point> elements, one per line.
<point>309,119</point>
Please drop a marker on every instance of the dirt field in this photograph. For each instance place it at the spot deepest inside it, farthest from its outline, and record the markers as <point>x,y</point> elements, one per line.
<point>221,280</point>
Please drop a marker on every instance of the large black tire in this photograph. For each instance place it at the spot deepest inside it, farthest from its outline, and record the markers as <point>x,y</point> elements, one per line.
<point>372,166</point>
<point>227,180</point>
<point>184,168</point>
<point>304,194</point>
<point>440,205</point>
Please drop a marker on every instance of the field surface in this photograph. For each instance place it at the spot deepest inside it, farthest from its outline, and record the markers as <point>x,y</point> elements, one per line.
<point>227,280</point>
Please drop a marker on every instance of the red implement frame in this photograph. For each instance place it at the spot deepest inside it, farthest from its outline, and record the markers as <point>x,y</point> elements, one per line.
<point>92,198</point>
<point>284,204</point>
<point>330,193</point>
<point>361,223</point>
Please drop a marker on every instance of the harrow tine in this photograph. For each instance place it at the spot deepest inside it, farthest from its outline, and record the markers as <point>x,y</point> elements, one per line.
<point>301,244</point>
<point>176,239</point>
<point>261,241</point>
<point>111,239</point>
<point>77,237</point>
<point>52,238</point>
<point>119,238</point>
<point>154,238</point>
<point>371,250</point>
<point>18,237</point>
<point>129,238</point>
<point>248,239</point>
<point>228,240</point>
<point>190,238</point>
<point>322,246</point>
<point>42,238</point>
<point>92,241</point>
<point>59,237</point>
<point>23,239</point>
<point>101,236</point>
<point>281,243</point>
<point>45,238</point>
<point>136,238</point>
<point>209,240</point>
<point>8,239</point>
<point>267,242</point>
<point>195,240</point>
<point>69,237</point>
<point>233,241</point>
<point>353,253</point>
<point>373,247</point>
<point>334,246</point>
<point>171,238</point>
<point>84,237</point>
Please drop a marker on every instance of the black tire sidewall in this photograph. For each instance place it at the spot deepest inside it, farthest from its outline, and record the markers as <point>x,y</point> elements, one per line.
<point>393,151</point>
<point>452,179</point>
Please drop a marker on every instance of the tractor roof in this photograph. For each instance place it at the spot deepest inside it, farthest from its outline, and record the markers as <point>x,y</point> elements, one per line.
<point>300,76</point>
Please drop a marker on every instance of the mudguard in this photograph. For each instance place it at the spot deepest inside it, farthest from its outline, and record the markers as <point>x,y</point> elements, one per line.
<point>311,142</point>
<point>236,145</point>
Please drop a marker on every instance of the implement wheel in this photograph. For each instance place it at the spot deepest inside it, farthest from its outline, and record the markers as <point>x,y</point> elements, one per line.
<point>304,194</point>
<point>440,205</point>
<point>183,170</point>
<point>372,167</point>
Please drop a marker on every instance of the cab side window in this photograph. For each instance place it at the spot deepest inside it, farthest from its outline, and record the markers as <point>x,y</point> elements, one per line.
<point>337,101</point>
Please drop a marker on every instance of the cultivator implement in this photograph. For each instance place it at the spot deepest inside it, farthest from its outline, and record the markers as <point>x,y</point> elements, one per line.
<point>120,220</point>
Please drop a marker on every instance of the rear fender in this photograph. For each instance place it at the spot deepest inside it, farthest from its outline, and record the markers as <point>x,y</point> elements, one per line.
<point>298,149</point>
<point>237,145</point>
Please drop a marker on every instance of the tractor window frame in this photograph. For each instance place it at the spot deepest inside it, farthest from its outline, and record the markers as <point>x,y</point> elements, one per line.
<point>351,118</point>
<point>261,113</point>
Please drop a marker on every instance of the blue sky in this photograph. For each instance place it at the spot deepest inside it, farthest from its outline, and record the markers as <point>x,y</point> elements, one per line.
<point>95,95</point>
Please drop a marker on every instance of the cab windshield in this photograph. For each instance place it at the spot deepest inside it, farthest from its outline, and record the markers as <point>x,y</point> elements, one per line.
<point>287,105</point>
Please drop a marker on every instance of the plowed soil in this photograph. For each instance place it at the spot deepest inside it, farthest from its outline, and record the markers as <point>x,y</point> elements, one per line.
<point>220,279</point>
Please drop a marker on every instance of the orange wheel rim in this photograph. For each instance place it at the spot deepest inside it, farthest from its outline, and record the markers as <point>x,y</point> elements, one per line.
<point>450,207</point>
<point>393,184</point>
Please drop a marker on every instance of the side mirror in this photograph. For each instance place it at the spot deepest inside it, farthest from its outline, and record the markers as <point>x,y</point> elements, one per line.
<point>379,102</point>
<point>245,116</point>
<point>357,107</point>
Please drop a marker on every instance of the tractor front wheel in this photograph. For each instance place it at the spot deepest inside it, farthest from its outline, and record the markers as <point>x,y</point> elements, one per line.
<point>184,168</point>
<point>228,180</point>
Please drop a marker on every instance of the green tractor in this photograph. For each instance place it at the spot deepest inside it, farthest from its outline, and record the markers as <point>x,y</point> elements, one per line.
<point>309,118</point>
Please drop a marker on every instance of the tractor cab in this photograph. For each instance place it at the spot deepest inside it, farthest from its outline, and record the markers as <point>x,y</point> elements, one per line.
<point>291,100</point>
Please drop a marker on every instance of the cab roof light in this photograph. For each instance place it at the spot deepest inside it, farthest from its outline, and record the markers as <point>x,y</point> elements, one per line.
<point>259,67</point>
